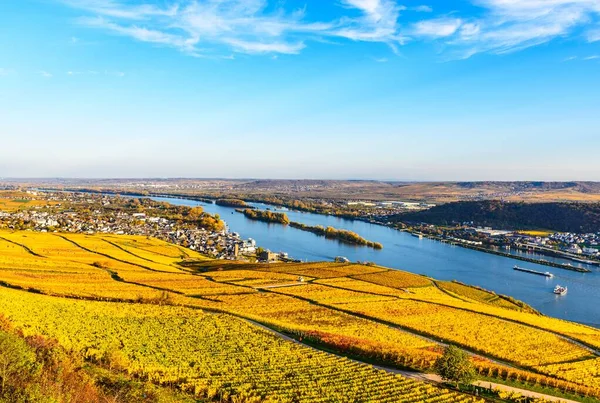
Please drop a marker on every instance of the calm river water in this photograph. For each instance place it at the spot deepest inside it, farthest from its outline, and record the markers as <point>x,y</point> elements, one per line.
<point>439,260</point>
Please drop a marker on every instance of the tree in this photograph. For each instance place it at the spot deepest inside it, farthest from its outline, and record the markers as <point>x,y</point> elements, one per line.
<point>455,366</point>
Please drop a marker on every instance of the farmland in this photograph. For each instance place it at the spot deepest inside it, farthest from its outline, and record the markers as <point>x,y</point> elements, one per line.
<point>18,203</point>
<point>183,320</point>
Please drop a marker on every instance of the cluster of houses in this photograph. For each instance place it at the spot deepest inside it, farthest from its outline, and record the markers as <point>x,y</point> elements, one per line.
<point>390,207</point>
<point>560,242</point>
<point>218,244</point>
<point>578,247</point>
<point>578,244</point>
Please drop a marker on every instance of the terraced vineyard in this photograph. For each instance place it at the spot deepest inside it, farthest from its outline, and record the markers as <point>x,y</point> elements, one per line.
<point>187,327</point>
<point>213,356</point>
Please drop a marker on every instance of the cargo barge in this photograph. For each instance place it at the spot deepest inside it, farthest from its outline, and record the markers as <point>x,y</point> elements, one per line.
<point>539,273</point>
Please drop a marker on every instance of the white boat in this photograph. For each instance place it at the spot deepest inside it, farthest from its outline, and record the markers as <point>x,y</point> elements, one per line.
<point>560,290</point>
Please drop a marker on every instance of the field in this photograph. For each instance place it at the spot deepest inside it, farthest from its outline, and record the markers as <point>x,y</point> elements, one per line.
<point>539,233</point>
<point>174,317</point>
<point>19,203</point>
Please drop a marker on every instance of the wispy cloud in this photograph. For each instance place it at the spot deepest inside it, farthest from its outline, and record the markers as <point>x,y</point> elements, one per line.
<point>116,9</point>
<point>437,28</point>
<point>95,73</point>
<point>6,72</point>
<point>213,28</point>
<point>272,47</point>
<point>422,9</point>
<point>593,57</point>
<point>45,74</point>
<point>511,25</point>
<point>378,23</point>
<point>593,35</point>
<point>143,34</point>
<point>204,28</point>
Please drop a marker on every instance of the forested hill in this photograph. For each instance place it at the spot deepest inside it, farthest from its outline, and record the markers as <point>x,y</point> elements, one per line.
<point>563,217</point>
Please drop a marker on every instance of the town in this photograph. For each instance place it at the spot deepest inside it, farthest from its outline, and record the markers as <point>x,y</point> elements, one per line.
<point>581,248</point>
<point>91,214</point>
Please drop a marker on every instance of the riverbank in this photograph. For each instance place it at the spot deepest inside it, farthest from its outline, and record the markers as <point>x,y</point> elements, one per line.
<point>554,253</point>
<point>498,253</point>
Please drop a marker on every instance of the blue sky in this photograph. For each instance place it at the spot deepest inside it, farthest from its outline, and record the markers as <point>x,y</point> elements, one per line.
<point>383,89</point>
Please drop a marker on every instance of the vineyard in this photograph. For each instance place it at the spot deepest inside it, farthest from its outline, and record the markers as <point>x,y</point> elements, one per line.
<point>172,317</point>
<point>212,356</point>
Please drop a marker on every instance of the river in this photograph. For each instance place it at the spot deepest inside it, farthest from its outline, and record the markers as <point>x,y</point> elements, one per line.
<point>424,256</point>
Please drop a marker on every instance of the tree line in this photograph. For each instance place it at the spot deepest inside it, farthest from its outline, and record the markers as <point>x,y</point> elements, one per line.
<point>339,234</point>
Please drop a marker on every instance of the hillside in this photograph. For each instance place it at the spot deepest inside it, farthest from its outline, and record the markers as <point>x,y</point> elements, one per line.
<point>168,315</point>
<point>433,192</point>
<point>562,217</point>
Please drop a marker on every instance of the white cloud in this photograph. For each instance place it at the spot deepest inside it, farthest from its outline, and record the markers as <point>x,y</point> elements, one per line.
<point>214,28</point>
<point>593,57</point>
<point>437,28</point>
<point>593,35</point>
<point>511,25</point>
<point>6,72</point>
<point>116,9</point>
<point>45,74</point>
<point>422,9</point>
<point>205,27</point>
<point>378,23</point>
<point>143,34</point>
<point>95,73</point>
<point>469,30</point>
<point>274,47</point>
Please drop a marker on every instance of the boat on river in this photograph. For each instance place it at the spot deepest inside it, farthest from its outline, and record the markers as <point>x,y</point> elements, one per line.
<point>560,290</point>
<point>539,273</point>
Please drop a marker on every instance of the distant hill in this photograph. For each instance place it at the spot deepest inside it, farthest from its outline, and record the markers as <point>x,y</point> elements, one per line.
<point>336,190</point>
<point>563,217</point>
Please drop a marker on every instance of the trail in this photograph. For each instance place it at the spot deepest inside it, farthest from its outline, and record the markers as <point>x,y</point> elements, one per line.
<point>266,287</point>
